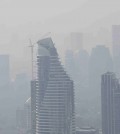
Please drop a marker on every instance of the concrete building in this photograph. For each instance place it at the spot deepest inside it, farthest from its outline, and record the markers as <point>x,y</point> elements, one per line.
<point>54,93</point>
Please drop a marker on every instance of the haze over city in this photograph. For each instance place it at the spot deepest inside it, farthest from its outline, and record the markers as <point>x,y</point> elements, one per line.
<point>60,64</point>
<point>21,20</point>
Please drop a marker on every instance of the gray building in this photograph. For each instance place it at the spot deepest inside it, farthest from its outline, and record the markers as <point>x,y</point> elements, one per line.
<point>54,93</point>
<point>110,101</point>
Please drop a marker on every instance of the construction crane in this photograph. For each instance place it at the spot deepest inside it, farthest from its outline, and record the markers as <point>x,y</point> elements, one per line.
<point>32,52</point>
<point>32,62</point>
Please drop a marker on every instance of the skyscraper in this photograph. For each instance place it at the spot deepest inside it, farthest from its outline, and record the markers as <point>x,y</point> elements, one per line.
<point>54,93</point>
<point>110,102</point>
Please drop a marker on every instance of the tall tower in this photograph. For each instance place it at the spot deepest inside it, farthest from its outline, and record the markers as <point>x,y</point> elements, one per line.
<point>110,102</point>
<point>54,93</point>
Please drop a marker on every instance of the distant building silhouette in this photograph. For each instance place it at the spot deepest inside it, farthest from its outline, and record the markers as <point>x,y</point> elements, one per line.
<point>110,101</point>
<point>74,41</point>
<point>22,88</point>
<point>54,94</point>
<point>20,120</point>
<point>82,63</point>
<point>116,48</point>
<point>23,118</point>
<point>100,62</point>
<point>77,63</point>
<point>70,63</point>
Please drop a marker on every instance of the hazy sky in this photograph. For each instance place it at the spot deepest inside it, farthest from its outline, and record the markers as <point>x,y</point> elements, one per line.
<point>15,12</point>
<point>21,18</point>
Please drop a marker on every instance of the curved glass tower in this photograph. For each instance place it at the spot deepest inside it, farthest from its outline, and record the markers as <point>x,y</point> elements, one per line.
<point>54,93</point>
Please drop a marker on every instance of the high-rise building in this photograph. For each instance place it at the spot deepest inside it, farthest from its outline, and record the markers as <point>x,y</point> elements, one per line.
<point>54,93</point>
<point>110,102</point>
<point>116,48</point>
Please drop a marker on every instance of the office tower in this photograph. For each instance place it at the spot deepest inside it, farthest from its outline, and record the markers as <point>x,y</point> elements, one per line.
<point>116,48</point>
<point>54,93</point>
<point>110,102</point>
<point>4,72</point>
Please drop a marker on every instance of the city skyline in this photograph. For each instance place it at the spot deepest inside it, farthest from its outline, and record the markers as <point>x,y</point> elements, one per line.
<point>59,67</point>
